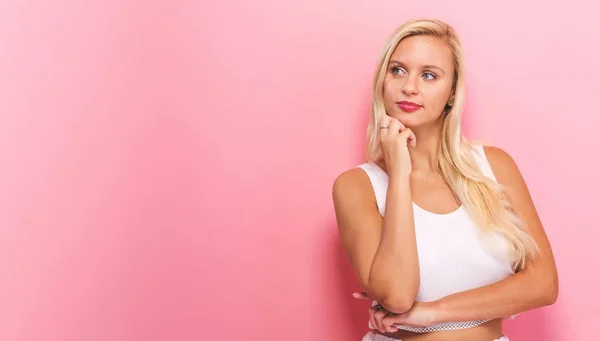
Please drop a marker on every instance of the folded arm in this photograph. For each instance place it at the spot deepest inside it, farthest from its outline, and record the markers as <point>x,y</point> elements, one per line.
<point>533,287</point>
<point>381,250</point>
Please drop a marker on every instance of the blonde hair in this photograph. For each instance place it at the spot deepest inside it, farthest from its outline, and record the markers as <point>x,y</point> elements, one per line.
<point>483,198</point>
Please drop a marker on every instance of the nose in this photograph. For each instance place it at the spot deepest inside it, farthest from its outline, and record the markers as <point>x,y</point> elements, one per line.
<point>410,86</point>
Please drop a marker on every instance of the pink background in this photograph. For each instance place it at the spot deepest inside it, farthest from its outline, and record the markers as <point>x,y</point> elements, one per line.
<point>167,169</point>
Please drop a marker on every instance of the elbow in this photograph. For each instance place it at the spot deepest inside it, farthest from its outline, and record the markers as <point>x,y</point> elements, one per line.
<point>397,305</point>
<point>398,298</point>
<point>550,292</point>
<point>546,292</point>
<point>396,302</point>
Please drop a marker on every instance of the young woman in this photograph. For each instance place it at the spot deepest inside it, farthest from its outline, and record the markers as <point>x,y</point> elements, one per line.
<point>441,232</point>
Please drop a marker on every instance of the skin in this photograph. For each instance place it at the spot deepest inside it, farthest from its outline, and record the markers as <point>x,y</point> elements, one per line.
<point>411,77</point>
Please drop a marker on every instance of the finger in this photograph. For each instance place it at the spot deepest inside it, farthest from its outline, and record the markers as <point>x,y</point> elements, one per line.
<point>395,127</point>
<point>374,318</point>
<point>362,296</point>
<point>379,316</point>
<point>372,312</point>
<point>388,323</point>
<point>400,124</point>
<point>409,136</point>
<point>384,121</point>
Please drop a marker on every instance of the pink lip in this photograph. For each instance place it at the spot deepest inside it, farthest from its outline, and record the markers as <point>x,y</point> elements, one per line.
<point>408,106</point>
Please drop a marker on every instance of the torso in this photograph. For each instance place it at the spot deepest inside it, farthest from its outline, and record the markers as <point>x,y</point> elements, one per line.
<point>447,244</point>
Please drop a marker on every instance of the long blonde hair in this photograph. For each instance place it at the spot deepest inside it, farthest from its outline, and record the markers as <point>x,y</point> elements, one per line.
<point>484,199</point>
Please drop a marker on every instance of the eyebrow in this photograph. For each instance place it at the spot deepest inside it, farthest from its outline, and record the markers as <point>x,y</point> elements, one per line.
<point>423,67</point>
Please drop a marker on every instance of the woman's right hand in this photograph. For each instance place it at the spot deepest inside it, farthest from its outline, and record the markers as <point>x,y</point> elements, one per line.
<point>395,138</point>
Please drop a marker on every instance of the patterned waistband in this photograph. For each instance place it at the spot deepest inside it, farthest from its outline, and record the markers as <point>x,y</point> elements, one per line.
<point>370,336</point>
<point>444,326</point>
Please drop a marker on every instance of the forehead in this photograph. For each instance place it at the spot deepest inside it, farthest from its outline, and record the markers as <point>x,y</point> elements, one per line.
<point>423,50</point>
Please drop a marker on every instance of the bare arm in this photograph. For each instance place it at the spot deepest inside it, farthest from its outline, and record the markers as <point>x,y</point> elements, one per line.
<point>381,250</point>
<point>535,286</point>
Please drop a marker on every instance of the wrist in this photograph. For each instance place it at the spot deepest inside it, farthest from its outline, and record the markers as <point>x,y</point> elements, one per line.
<point>402,176</point>
<point>439,311</point>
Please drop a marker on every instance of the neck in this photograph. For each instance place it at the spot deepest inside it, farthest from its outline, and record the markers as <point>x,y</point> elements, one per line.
<point>424,157</point>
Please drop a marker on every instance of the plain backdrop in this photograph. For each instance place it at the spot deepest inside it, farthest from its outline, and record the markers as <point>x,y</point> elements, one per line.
<point>167,166</point>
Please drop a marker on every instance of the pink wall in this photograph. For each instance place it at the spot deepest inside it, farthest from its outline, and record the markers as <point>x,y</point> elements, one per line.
<point>166,171</point>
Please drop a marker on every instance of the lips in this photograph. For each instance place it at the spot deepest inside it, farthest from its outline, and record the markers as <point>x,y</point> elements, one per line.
<point>408,106</point>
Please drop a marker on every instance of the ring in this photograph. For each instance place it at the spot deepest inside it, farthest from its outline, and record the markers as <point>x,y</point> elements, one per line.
<point>384,127</point>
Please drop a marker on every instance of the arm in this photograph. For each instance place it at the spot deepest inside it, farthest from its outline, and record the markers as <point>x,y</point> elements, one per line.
<point>533,287</point>
<point>382,251</point>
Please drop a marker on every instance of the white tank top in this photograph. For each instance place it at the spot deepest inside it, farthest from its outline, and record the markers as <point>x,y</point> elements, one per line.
<point>452,258</point>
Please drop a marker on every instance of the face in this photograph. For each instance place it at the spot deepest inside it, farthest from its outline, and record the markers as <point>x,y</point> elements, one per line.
<point>418,82</point>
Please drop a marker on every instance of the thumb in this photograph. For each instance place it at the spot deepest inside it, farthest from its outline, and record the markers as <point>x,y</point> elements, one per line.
<point>362,296</point>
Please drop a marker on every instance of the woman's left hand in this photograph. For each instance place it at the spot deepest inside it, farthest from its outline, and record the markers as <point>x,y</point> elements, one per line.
<point>422,314</point>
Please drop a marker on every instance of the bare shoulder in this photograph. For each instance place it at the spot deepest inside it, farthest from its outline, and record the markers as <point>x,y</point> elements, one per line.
<point>354,201</point>
<point>508,175</point>
<point>352,185</point>
<point>503,165</point>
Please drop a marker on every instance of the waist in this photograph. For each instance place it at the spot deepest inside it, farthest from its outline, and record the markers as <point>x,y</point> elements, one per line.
<point>488,331</point>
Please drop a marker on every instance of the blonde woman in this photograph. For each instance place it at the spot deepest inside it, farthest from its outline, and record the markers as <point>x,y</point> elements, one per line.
<point>441,232</point>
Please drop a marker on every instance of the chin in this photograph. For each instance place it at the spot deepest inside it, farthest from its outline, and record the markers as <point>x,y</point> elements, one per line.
<point>410,120</point>
<point>414,119</point>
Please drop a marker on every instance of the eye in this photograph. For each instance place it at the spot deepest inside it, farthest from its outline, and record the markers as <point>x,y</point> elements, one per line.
<point>429,76</point>
<point>396,70</point>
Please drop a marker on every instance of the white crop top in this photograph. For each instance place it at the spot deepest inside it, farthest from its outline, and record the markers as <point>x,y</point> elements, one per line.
<point>452,258</point>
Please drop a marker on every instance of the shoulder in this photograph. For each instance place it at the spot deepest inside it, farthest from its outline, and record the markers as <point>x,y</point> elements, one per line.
<point>499,159</point>
<point>504,166</point>
<point>354,191</point>
<point>351,183</point>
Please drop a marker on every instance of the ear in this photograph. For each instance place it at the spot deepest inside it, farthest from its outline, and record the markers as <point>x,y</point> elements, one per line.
<point>450,101</point>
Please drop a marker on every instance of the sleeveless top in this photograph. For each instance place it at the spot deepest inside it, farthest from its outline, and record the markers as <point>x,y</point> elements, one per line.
<point>452,256</point>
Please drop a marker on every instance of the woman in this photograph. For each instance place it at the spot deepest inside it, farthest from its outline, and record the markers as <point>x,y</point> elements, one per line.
<point>441,232</point>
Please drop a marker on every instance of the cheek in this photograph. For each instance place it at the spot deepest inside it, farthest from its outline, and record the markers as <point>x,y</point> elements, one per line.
<point>436,96</point>
<point>436,100</point>
<point>390,89</point>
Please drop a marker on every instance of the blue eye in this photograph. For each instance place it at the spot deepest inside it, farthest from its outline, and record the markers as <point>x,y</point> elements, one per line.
<point>395,69</point>
<point>429,76</point>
